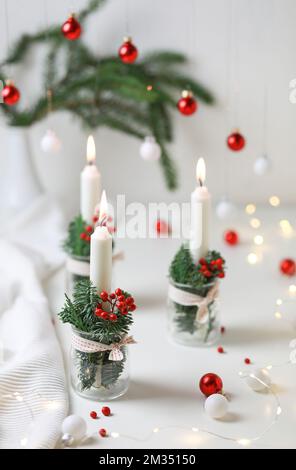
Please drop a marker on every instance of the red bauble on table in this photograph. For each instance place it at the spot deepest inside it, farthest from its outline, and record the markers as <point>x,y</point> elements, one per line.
<point>236,141</point>
<point>187,105</point>
<point>288,267</point>
<point>71,29</point>
<point>210,383</point>
<point>231,237</point>
<point>128,51</point>
<point>162,227</point>
<point>10,93</point>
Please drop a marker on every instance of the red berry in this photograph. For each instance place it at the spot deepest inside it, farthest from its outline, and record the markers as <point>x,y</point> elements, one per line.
<point>95,219</point>
<point>106,411</point>
<point>104,296</point>
<point>132,308</point>
<point>219,262</point>
<point>207,273</point>
<point>82,236</point>
<point>98,312</point>
<point>121,305</point>
<point>231,237</point>
<point>130,301</point>
<point>121,298</point>
<point>112,296</point>
<point>222,329</point>
<point>89,228</point>
<point>220,349</point>
<point>87,238</point>
<point>247,361</point>
<point>202,261</point>
<point>104,315</point>
<point>221,274</point>
<point>124,311</point>
<point>93,414</point>
<point>103,432</point>
<point>118,291</point>
<point>112,317</point>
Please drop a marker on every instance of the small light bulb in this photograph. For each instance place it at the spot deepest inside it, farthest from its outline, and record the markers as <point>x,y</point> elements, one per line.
<point>255,223</point>
<point>279,410</point>
<point>195,429</point>
<point>244,442</point>
<point>250,209</point>
<point>278,315</point>
<point>258,240</point>
<point>274,201</point>
<point>115,435</point>
<point>292,289</point>
<point>268,367</point>
<point>286,227</point>
<point>252,258</point>
<point>155,430</point>
<point>279,301</point>
<point>24,441</point>
<point>149,88</point>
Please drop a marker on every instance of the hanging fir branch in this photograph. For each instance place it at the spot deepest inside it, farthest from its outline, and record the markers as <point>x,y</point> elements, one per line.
<point>105,91</point>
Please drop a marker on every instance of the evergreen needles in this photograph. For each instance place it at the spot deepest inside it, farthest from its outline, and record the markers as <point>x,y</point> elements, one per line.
<point>105,91</point>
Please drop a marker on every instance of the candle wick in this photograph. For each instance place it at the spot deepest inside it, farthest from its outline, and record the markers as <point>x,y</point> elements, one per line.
<point>200,182</point>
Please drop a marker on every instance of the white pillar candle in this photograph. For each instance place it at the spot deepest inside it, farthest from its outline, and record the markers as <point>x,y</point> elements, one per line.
<point>101,252</point>
<point>200,213</point>
<point>90,183</point>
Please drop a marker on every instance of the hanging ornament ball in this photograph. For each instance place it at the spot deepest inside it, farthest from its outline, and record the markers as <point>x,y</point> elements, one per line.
<point>210,383</point>
<point>231,237</point>
<point>128,51</point>
<point>150,150</point>
<point>225,209</point>
<point>236,141</point>
<point>262,165</point>
<point>187,104</point>
<point>50,142</point>
<point>216,406</point>
<point>75,426</point>
<point>162,227</point>
<point>288,267</point>
<point>71,29</point>
<point>258,379</point>
<point>10,93</point>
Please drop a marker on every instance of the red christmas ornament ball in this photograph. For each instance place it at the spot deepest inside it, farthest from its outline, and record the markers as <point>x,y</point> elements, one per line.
<point>231,237</point>
<point>162,227</point>
<point>10,94</point>
<point>187,105</point>
<point>128,51</point>
<point>288,267</point>
<point>210,383</point>
<point>236,141</point>
<point>71,29</point>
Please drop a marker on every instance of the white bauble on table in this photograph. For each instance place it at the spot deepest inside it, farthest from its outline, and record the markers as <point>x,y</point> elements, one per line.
<point>258,380</point>
<point>50,142</point>
<point>216,406</point>
<point>262,165</point>
<point>150,150</point>
<point>73,427</point>
<point>225,209</point>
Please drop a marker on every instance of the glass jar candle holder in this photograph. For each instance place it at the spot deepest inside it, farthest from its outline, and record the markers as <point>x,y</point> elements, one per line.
<point>77,269</point>
<point>94,375</point>
<point>194,314</point>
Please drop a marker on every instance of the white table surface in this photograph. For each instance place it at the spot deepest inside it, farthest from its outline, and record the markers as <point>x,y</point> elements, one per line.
<point>164,377</point>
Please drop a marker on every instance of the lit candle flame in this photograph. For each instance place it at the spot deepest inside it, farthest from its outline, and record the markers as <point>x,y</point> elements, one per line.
<point>90,150</point>
<point>103,209</point>
<point>201,171</point>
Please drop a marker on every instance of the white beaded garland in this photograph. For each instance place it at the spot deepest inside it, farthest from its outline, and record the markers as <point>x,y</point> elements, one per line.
<point>74,426</point>
<point>216,406</point>
<point>150,150</point>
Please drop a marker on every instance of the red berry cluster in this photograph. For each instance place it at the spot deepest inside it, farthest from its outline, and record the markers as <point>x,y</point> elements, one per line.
<point>213,268</point>
<point>118,302</point>
<point>88,230</point>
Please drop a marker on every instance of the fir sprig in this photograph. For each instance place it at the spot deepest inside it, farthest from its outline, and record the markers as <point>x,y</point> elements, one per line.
<point>105,91</point>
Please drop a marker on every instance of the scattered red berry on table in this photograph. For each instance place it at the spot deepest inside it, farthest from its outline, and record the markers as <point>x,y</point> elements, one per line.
<point>220,349</point>
<point>236,141</point>
<point>288,267</point>
<point>210,383</point>
<point>247,361</point>
<point>103,432</point>
<point>93,414</point>
<point>231,237</point>
<point>106,411</point>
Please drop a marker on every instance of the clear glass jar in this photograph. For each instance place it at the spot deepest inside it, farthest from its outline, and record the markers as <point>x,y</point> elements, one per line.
<point>185,324</point>
<point>77,269</point>
<point>95,376</point>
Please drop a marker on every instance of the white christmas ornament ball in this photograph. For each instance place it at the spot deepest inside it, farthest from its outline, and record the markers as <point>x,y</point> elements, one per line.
<point>74,426</point>
<point>225,209</point>
<point>262,165</point>
<point>150,150</point>
<point>262,376</point>
<point>216,406</point>
<point>50,142</point>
